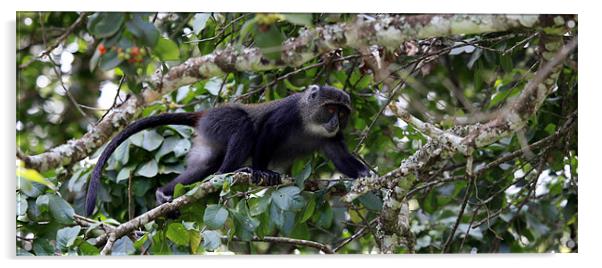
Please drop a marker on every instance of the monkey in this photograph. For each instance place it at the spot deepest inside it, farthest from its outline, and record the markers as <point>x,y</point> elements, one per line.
<point>270,134</point>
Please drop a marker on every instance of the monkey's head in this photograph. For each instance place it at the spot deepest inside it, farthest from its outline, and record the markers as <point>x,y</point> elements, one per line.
<point>325,110</point>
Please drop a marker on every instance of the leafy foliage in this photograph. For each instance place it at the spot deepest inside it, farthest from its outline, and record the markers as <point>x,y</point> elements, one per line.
<point>514,206</point>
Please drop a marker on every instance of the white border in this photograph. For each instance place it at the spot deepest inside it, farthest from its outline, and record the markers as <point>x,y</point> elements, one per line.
<point>589,146</point>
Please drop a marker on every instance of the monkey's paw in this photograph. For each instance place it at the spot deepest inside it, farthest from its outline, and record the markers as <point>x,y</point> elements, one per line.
<point>262,177</point>
<point>162,198</point>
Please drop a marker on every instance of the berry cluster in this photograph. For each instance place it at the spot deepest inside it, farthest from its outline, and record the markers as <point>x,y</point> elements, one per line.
<point>132,54</point>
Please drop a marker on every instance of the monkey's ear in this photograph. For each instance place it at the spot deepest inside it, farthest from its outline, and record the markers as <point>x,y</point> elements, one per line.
<point>313,89</point>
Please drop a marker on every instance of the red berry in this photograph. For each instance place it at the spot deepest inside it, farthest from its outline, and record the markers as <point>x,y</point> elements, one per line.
<point>135,51</point>
<point>101,49</point>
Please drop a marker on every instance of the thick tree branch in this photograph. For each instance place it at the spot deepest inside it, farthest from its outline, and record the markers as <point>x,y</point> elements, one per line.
<point>388,31</point>
<point>78,149</point>
<point>430,130</point>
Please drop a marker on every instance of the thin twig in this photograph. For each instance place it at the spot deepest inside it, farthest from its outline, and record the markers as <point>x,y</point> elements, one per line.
<point>223,29</point>
<point>180,26</point>
<point>130,199</point>
<point>64,36</point>
<point>356,235</point>
<point>114,99</point>
<point>297,242</point>
<point>520,43</point>
<point>447,244</point>
<point>472,218</point>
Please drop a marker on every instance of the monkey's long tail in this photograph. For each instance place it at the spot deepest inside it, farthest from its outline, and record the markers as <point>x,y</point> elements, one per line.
<point>189,119</point>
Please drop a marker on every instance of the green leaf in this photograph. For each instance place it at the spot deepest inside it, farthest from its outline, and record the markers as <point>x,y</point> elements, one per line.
<point>243,216</point>
<point>289,222</point>
<point>124,173</point>
<point>364,82</point>
<point>309,210</point>
<point>215,216</point>
<point>301,177</point>
<point>109,61</point>
<point>42,247</point>
<point>141,187</point>
<point>34,176</point>
<point>371,201</point>
<point>199,21</point>
<point>269,42</point>
<point>550,128</point>
<point>159,244</point>
<point>60,210</point>
<point>144,30</point>
<point>259,205</point>
<point>122,153</point>
<point>152,140</point>
<point>94,60</point>
<point>184,131</point>
<point>166,169</point>
<point>123,247</point>
<point>42,202</point>
<point>105,24</point>
<point>179,190</point>
<point>211,240</point>
<point>276,215</point>
<point>178,234</point>
<point>137,139</point>
<point>140,242</point>
<point>149,169</point>
<point>213,85</point>
<point>299,18</point>
<point>167,50</point>
<point>66,236</point>
<point>244,224</point>
<point>29,188</point>
<point>21,204</point>
<point>88,249</point>
<point>167,147</point>
<point>326,217</point>
<point>506,62</point>
<point>182,147</point>
<point>283,197</point>
<point>249,26</point>
<point>195,241</point>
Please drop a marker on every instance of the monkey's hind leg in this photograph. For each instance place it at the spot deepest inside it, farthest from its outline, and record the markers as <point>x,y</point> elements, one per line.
<point>202,161</point>
<point>239,148</point>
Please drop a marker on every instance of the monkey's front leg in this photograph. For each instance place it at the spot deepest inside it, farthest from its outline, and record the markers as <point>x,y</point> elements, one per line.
<point>262,177</point>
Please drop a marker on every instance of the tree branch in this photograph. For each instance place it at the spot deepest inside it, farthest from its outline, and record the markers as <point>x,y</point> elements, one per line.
<point>298,242</point>
<point>389,31</point>
<point>78,149</point>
